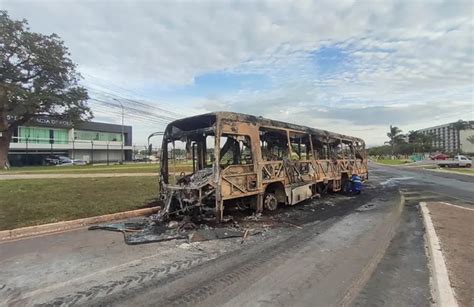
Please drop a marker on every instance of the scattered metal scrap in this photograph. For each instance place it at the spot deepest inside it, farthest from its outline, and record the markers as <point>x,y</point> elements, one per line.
<point>148,231</point>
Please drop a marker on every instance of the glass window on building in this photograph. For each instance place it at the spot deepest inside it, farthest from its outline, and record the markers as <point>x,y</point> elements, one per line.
<point>37,135</point>
<point>33,135</point>
<point>97,136</point>
<point>60,136</point>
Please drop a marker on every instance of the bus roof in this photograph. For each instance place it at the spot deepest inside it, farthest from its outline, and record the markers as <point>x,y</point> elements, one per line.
<point>189,123</point>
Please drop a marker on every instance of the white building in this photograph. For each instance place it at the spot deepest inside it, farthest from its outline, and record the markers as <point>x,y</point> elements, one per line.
<point>448,138</point>
<point>89,141</point>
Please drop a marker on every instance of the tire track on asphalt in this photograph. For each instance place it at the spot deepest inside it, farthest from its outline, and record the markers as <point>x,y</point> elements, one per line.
<point>209,279</point>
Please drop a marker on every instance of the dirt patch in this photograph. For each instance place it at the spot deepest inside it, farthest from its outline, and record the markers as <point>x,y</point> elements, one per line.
<point>455,228</point>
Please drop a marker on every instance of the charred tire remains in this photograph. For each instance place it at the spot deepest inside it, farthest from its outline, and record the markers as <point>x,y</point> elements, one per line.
<point>270,202</point>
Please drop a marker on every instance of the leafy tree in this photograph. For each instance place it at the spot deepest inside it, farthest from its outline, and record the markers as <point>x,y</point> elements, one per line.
<point>422,142</point>
<point>458,126</point>
<point>396,137</point>
<point>427,141</point>
<point>37,78</point>
<point>379,150</point>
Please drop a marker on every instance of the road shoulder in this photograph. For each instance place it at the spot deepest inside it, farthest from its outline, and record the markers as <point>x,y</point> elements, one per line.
<point>453,226</point>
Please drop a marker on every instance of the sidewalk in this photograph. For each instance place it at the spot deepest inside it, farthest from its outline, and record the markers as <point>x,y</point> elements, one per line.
<point>454,227</point>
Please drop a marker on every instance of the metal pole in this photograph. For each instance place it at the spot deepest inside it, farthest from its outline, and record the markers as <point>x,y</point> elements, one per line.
<point>27,157</point>
<point>123,139</point>
<point>92,152</point>
<point>107,153</point>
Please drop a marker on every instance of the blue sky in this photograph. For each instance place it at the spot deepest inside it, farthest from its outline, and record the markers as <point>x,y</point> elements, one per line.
<point>211,84</point>
<point>353,67</point>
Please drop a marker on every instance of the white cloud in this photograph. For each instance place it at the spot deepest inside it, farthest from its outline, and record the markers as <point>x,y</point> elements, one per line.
<point>405,53</point>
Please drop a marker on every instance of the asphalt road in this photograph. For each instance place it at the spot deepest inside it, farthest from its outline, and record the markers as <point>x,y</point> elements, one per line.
<point>365,250</point>
<point>437,185</point>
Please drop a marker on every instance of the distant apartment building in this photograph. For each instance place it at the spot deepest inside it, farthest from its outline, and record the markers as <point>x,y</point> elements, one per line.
<point>89,141</point>
<point>447,138</point>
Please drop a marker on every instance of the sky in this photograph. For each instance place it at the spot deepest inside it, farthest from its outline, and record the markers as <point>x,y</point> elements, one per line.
<point>353,67</point>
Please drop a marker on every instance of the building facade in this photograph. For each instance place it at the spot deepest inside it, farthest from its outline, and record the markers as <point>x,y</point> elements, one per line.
<point>92,142</point>
<point>447,138</point>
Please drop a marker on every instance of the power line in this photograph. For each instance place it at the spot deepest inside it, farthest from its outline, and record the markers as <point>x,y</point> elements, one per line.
<point>144,119</point>
<point>133,109</point>
<point>112,93</point>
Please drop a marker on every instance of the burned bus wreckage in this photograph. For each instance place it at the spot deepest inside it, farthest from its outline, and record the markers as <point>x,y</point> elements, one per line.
<point>244,160</point>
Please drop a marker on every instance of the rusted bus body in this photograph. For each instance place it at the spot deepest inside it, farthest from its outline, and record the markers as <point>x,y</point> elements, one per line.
<point>244,159</point>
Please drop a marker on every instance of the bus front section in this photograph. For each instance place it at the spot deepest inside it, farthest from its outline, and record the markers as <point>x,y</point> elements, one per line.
<point>188,173</point>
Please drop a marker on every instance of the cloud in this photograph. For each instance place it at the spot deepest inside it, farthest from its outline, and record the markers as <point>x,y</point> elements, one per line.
<point>345,64</point>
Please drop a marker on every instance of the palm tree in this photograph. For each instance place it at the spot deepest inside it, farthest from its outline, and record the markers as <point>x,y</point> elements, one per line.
<point>414,138</point>
<point>427,140</point>
<point>458,126</point>
<point>395,137</point>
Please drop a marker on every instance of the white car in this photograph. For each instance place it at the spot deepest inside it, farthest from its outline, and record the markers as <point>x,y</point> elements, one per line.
<point>458,161</point>
<point>65,161</point>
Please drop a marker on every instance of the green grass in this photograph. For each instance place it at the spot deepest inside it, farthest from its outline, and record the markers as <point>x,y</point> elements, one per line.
<point>91,169</point>
<point>39,201</point>
<point>460,170</point>
<point>393,162</point>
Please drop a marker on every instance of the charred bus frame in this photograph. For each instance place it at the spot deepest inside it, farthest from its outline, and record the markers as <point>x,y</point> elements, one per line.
<point>253,160</point>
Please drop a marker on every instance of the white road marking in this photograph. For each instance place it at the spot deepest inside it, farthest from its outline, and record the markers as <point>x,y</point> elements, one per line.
<point>457,206</point>
<point>394,180</point>
<point>441,285</point>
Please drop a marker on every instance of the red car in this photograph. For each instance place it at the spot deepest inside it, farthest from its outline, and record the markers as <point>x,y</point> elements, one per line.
<point>439,157</point>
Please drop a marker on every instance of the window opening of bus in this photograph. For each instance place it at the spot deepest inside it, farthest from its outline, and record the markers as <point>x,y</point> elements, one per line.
<point>274,144</point>
<point>235,149</point>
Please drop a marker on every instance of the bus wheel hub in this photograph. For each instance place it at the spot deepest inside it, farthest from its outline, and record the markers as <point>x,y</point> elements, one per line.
<point>270,202</point>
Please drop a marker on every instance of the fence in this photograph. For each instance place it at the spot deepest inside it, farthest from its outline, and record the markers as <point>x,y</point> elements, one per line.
<point>28,151</point>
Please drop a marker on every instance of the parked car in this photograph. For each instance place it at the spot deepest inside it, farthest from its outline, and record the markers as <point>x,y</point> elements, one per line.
<point>439,157</point>
<point>54,160</point>
<point>79,162</point>
<point>69,162</point>
<point>62,161</point>
<point>458,161</point>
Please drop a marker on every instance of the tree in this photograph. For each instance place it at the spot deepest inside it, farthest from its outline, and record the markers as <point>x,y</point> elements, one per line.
<point>458,126</point>
<point>414,139</point>
<point>427,140</point>
<point>37,78</point>
<point>414,136</point>
<point>379,150</point>
<point>395,137</point>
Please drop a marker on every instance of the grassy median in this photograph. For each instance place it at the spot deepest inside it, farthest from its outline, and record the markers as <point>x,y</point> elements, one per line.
<point>29,202</point>
<point>394,161</point>
<point>468,171</point>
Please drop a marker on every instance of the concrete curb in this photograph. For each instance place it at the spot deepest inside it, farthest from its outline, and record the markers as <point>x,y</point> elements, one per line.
<point>441,286</point>
<point>69,225</point>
